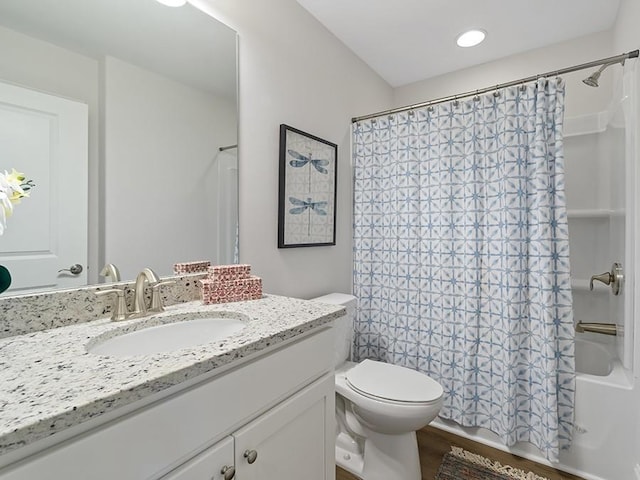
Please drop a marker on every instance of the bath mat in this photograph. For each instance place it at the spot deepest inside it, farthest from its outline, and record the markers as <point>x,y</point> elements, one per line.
<point>462,465</point>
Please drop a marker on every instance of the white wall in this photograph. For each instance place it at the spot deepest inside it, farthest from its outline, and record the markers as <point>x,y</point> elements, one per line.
<point>293,71</point>
<point>39,65</point>
<point>161,139</point>
<point>580,98</point>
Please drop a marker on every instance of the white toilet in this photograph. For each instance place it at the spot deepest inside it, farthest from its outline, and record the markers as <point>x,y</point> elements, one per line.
<point>379,407</point>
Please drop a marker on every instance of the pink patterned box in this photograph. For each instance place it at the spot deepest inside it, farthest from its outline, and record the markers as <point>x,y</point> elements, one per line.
<point>216,291</point>
<point>191,267</point>
<point>225,273</point>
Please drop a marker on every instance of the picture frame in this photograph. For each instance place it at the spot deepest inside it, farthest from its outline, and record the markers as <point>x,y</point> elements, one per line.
<point>307,190</point>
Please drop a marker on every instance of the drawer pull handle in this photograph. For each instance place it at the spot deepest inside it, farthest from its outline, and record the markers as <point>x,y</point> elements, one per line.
<point>251,455</point>
<point>228,472</point>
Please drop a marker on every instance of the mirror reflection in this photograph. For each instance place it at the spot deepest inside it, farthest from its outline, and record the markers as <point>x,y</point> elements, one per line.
<point>124,114</point>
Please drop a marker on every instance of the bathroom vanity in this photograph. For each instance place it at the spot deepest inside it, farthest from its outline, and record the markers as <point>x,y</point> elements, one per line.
<point>258,404</point>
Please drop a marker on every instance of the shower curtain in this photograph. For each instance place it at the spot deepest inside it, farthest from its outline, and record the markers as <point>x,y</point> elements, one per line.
<point>461,257</point>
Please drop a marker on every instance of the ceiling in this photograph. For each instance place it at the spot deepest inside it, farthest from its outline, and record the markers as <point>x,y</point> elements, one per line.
<point>181,43</point>
<point>405,41</point>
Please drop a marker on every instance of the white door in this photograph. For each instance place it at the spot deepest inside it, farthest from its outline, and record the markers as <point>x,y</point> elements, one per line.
<point>45,137</point>
<point>292,441</point>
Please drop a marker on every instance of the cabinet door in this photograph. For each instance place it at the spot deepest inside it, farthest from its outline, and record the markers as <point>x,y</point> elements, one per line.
<point>209,465</point>
<point>293,440</point>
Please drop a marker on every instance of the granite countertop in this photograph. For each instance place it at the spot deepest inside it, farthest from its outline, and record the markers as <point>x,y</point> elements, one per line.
<point>49,382</point>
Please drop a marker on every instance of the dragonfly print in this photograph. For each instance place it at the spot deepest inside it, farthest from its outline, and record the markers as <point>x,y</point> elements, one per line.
<point>307,205</point>
<point>302,160</point>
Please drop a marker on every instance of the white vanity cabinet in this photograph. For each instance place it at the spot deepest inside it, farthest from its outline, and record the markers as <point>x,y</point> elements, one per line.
<point>279,404</point>
<point>212,464</point>
<point>286,442</point>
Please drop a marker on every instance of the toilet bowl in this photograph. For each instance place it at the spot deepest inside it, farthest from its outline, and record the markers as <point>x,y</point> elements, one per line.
<point>379,407</point>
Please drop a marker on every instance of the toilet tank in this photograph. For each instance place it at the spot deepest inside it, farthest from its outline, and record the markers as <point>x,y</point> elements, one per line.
<point>343,326</point>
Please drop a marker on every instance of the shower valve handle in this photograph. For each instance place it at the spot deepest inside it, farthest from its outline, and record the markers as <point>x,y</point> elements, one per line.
<point>615,278</point>
<point>603,277</point>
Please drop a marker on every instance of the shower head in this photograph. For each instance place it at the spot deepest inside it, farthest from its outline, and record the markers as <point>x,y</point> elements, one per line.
<point>592,80</point>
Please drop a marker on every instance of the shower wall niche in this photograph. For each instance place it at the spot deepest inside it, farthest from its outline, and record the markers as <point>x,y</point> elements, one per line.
<point>595,187</point>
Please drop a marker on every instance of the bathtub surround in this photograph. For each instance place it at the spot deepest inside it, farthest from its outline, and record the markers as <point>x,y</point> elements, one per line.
<point>461,259</point>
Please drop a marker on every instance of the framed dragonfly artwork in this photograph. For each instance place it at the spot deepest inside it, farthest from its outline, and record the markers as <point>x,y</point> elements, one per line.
<point>307,196</point>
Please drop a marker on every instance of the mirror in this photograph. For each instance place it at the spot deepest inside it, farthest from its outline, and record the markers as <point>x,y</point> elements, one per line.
<point>160,89</point>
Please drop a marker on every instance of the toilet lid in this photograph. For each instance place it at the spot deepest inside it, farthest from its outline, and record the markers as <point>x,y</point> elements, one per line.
<point>393,382</point>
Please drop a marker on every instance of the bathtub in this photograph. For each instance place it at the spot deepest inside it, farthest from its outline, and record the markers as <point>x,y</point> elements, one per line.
<point>594,358</point>
<point>605,417</point>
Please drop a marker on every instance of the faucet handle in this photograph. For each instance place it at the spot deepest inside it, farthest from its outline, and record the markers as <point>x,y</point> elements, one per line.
<point>603,277</point>
<point>615,278</point>
<point>120,311</point>
<point>156,300</point>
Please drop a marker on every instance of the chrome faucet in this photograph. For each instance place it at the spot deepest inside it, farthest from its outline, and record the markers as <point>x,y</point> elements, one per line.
<point>140,304</point>
<point>140,309</point>
<point>110,270</point>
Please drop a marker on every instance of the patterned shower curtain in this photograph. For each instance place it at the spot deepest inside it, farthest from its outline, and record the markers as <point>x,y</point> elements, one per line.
<point>461,258</point>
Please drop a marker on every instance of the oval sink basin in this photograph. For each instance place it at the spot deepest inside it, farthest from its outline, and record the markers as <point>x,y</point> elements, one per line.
<point>168,337</point>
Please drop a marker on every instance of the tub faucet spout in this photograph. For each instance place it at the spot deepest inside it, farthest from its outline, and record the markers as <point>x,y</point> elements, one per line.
<point>603,328</point>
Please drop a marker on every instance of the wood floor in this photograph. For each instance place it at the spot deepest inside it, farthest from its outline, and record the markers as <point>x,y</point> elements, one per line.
<point>435,443</point>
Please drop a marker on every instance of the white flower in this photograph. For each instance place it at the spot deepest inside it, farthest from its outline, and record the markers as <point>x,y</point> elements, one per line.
<point>12,188</point>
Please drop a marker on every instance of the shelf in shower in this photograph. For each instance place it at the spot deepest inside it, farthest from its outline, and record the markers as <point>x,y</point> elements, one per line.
<point>594,213</point>
<point>586,124</point>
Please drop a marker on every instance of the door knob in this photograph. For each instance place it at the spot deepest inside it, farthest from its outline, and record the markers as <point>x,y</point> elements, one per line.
<point>75,269</point>
<point>251,455</point>
<point>228,472</point>
<point>615,278</point>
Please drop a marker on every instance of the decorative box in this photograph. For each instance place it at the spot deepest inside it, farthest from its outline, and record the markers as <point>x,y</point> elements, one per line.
<point>225,273</point>
<point>217,291</point>
<point>191,267</point>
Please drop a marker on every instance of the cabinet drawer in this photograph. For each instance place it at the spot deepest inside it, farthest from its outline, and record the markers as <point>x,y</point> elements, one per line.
<point>208,465</point>
<point>155,439</point>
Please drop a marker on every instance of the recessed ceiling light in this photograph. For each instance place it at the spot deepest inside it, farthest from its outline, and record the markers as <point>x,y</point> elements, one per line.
<point>471,38</point>
<point>172,3</point>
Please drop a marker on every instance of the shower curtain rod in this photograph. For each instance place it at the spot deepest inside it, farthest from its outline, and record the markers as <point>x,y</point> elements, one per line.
<point>605,61</point>
<point>228,147</point>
